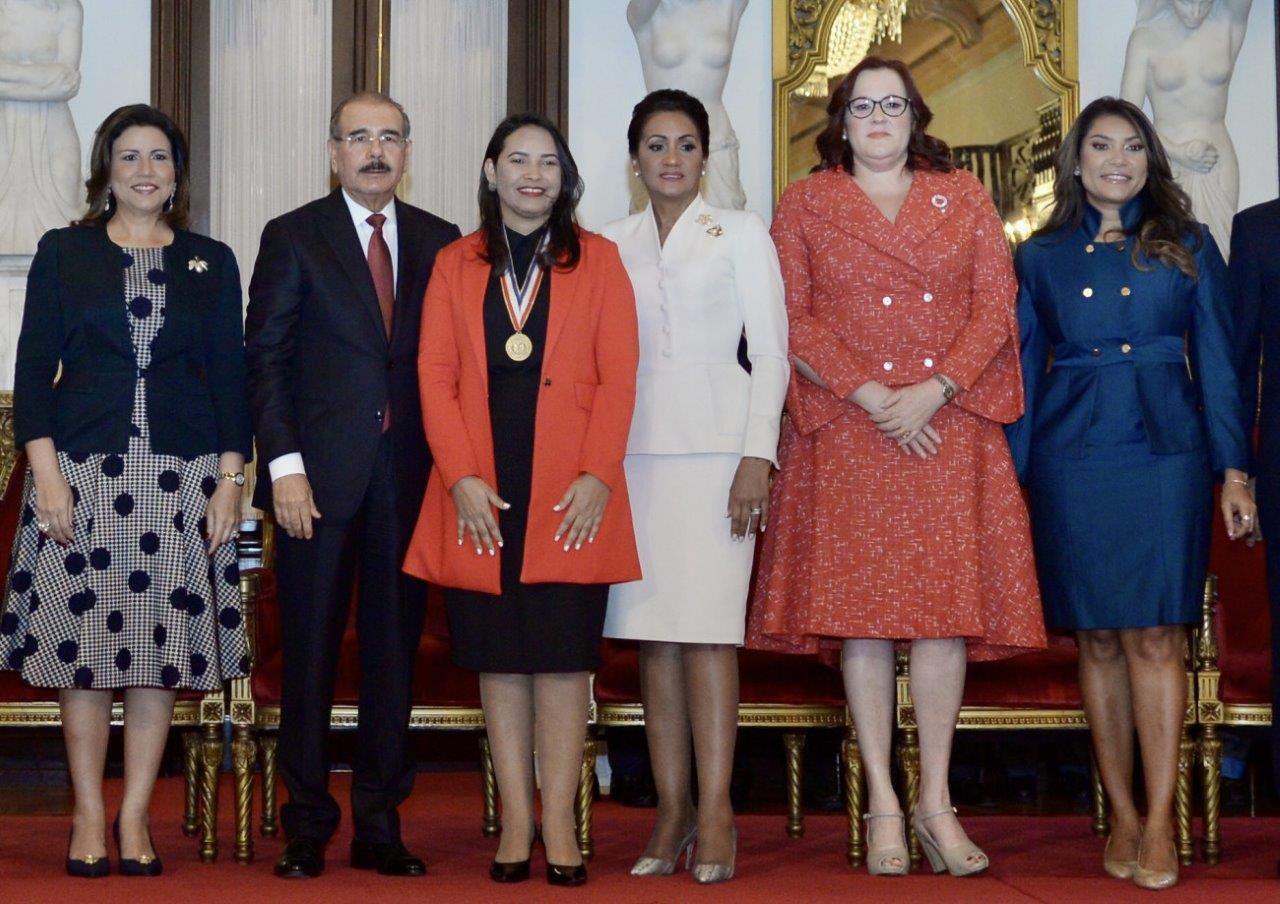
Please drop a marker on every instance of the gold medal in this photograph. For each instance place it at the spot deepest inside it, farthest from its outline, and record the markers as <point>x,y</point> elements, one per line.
<point>519,347</point>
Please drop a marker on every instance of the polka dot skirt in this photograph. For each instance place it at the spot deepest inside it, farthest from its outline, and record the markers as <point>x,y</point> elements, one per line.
<point>135,600</point>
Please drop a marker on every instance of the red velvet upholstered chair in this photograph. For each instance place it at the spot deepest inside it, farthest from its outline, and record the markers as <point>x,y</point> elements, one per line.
<point>776,691</point>
<point>200,715</point>
<point>1233,657</point>
<point>1035,691</point>
<point>444,697</point>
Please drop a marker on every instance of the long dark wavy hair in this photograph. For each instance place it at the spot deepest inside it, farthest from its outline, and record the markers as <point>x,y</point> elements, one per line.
<point>1168,232</point>
<point>98,186</point>
<point>924,151</point>
<point>563,250</point>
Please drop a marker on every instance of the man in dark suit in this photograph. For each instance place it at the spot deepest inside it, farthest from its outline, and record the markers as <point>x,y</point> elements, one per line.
<point>335,306</point>
<point>1255,282</point>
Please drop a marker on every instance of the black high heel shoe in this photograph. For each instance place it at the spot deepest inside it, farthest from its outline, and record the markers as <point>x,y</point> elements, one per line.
<point>146,865</point>
<point>516,871</point>
<point>565,876</point>
<point>88,867</point>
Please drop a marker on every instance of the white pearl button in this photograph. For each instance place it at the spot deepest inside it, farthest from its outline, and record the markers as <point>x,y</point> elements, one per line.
<point>928,362</point>
<point>887,300</point>
<point>888,365</point>
<point>928,296</point>
<point>666,353</point>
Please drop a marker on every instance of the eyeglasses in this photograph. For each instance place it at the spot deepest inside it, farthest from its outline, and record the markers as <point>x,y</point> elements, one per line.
<point>890,105</point>
<point>363,140</point>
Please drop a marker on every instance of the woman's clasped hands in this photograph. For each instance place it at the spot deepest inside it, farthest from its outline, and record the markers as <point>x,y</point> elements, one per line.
<point>903,414</point>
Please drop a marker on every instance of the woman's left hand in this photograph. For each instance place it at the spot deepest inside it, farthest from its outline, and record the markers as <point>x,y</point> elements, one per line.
<point>1239,511</point>
<point>222,515</point>
<point>907,410</point>
<point>749,497</point>
<point>583,506</point>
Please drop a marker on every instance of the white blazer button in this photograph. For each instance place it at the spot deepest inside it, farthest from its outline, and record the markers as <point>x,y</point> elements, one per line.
<point>888,365</point>
<point>928,296</point>
<point>887,300</point>
<point>666,353</point>
<point>928,362</point>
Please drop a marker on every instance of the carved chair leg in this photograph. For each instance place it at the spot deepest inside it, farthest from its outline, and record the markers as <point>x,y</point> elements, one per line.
<point>243,754</point>
<point>793,741</point>
<point>853,794</point>
<point>211,761</point>
<point>1101,820</point>
<point>267,753</point>
<point>191,782</point>
<point>1211,776</point>
<point>1182,798</point>
<point>909,765</point>
<point>586,789</point>
<point>490,784</point>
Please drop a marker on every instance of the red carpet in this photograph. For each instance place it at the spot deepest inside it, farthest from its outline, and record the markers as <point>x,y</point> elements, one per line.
<point>1034,859</point>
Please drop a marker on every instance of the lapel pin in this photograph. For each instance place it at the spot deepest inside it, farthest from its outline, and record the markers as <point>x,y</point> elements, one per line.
<point>197,265</point>
<point>715,231</point>
<point>939,201</point>
<point>704,219</point>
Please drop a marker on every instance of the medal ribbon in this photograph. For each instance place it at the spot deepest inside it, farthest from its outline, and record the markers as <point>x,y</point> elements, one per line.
<point>520,297</point>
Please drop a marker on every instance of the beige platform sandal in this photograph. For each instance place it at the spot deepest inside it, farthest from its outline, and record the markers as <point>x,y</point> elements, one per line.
<point>879,860</point>
<point>955,859</point>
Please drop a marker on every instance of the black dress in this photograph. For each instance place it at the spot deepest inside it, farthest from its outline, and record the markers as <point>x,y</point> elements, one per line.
<point>528,628</point>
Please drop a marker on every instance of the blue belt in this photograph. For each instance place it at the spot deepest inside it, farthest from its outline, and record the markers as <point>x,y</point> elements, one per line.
<point>1148,350</point>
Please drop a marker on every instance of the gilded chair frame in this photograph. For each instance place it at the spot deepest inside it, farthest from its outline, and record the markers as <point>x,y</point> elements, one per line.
<point>795,719</point>
<point>802,31</point>
<point>200,720</point>
<point>1211,714</point>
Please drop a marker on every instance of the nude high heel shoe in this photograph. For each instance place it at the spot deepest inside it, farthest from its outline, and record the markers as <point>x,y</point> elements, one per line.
<point>656,866</point>
<point>955,859</point>
<point>1117,869</point>
<point>877,858</point>
<point>1154,879</point>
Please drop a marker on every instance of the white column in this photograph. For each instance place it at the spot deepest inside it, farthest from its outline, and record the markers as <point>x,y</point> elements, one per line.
<point>449,70</point>
<point>270,72</point>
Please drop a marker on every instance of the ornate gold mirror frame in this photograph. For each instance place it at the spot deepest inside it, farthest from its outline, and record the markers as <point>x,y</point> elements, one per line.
<point>802,29</point>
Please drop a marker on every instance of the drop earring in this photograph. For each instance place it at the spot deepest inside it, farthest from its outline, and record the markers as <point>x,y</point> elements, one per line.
<point>1076,171</point>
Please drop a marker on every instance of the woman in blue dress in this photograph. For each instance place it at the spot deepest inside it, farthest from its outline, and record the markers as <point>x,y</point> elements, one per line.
<point>1133,410</point>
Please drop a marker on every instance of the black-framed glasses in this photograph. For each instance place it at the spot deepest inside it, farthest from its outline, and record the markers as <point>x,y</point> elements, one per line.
<point>890,105</point>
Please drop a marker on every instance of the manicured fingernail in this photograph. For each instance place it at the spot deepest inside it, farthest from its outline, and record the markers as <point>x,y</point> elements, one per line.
<point>592,540</point>
<point>577,545</point>
<point>555,508</point>
<point>492,552</point>
<point>506,505</point>
<point>566,547</point>
<point>557,538</point>
<point>459,542</point>
<point>499,543</point>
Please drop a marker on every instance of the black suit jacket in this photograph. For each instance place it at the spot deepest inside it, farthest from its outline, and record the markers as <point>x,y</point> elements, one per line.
<point>1255,282</point>
<point>75,315</point>
<point>321,368</point>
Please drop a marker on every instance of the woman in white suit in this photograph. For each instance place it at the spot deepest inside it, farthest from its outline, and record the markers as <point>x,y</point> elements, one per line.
<point>703,441</point>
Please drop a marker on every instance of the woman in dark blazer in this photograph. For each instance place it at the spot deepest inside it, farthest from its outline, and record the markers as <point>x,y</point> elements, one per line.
<point>1133,411</point>
<point>124,574</point>
<point>527,366</point>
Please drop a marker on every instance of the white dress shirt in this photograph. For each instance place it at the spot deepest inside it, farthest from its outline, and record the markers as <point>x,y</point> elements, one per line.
<point>291,462</point>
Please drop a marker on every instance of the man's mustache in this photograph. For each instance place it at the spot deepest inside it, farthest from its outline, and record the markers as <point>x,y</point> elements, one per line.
<point>375,166</point>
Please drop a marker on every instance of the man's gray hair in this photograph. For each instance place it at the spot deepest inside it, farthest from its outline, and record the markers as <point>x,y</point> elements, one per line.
<point>376,96</point>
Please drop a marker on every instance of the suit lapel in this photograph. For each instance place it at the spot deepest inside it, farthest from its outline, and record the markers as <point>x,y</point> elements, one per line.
<point>340,233</point>
<point>472,297</point>
<point>845,205</point>
<point>408,264</point>
<point>103,286</point>
<point>565,288</point>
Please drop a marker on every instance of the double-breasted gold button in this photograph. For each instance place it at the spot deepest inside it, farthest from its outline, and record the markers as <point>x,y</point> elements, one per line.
<point>1088,249</point>
<point>1097,353</point>
<point>1126,348</point>
<point>1125,291</point>
<point>1087,293</point>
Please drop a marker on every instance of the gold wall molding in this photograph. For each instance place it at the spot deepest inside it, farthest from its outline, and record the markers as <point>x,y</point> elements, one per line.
<point>802,30</point>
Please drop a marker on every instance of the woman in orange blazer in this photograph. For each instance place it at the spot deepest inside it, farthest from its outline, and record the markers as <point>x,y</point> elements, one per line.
<point>528,366</point>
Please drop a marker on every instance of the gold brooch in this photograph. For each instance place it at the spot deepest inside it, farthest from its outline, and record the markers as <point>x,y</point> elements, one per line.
<point>197,265</point>
<point>714,229</point>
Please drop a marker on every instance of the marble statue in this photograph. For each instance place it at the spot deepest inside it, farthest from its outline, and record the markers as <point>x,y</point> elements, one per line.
<point>688,44</point>
<point>1181,57</point>
<point>39,148</point>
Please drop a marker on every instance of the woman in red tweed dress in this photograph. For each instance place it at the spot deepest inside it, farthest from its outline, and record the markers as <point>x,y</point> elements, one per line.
<point>896,515</point>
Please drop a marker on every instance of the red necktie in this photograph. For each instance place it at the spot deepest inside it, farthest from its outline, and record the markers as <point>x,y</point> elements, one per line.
<point>380,268</point>
<point>383,284</point>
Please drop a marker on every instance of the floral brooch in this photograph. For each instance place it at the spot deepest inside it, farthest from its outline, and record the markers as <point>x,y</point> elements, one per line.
<point>714,229</point>
<point>197,265</point>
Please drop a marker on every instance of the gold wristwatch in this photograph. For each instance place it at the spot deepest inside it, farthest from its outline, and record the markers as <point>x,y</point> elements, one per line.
<point>948,388</point>
<point>236,477</point>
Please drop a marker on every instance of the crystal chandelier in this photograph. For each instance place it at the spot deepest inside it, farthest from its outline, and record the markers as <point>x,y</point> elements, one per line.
<point>858,25</point>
